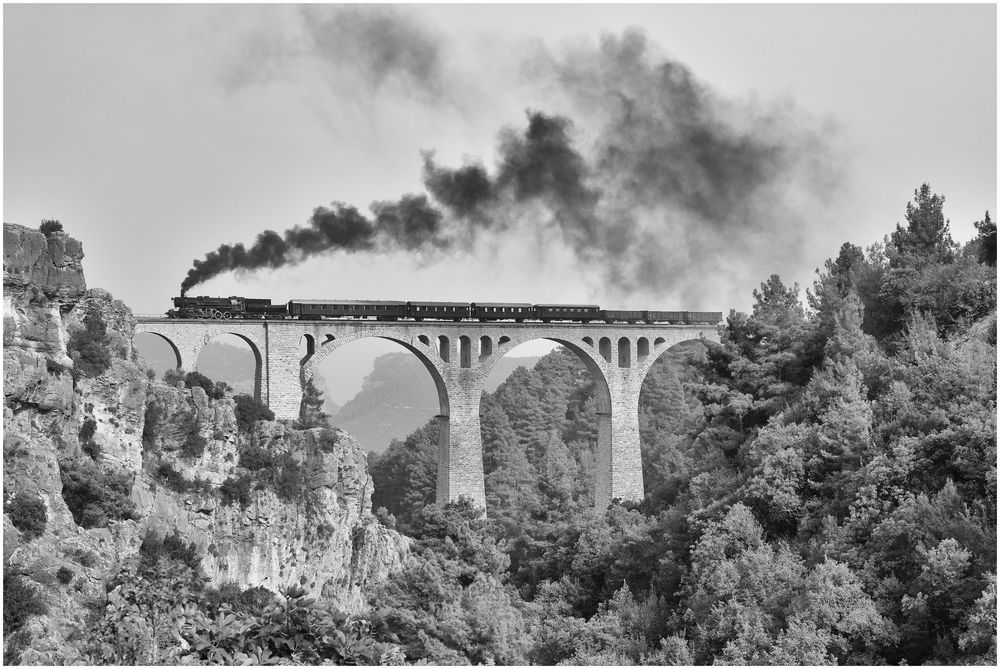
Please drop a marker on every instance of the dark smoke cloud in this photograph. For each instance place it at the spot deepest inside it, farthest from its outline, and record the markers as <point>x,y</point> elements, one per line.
<point>341,228</point>
<point>654,177</point>
<point>673,178</point>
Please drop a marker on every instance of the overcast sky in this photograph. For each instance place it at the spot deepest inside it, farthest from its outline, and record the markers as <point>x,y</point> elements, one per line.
<point>157,133</point>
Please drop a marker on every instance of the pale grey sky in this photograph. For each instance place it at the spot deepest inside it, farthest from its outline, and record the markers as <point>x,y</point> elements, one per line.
<point>156,133</point>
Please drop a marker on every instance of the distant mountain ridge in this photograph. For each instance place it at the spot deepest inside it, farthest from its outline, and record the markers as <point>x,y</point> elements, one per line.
<point>399,396</point>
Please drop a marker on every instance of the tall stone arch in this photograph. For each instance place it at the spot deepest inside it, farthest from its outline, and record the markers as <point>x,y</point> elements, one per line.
<point>257,347</point>
<point>178,356</point>
<point>609,482</point>
<point>457,474</point>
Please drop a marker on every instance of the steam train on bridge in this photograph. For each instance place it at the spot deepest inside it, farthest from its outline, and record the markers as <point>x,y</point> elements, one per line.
<point>256,308</point>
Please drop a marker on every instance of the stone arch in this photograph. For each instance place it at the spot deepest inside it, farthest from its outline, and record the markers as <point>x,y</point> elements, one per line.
<point>624,353</point>
<point>310,347</point>
<point>605,348</point>
<point>658,350</point>
<point>485,347</point>
<point>444,348</point>
<point>255,348</point>
<point>642,349</point>
<point>465,351</point>
<point>333,344</point>
<point>598,373</point>
<point>170,343</point>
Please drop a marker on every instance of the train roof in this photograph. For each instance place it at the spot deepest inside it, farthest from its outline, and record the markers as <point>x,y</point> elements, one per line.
<point>394,303</point>
<point>570,306</point>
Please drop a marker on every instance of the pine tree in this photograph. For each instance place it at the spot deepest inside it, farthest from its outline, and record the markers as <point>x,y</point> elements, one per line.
<point>311,412</point>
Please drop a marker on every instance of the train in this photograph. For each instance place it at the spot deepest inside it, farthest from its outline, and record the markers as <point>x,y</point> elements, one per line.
<point>388,310</point>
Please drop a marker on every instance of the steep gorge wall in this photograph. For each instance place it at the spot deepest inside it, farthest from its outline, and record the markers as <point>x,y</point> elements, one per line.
<point>328,540</point>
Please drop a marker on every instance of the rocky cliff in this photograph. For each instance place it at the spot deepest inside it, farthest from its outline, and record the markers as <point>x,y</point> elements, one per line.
<point>84,470</point>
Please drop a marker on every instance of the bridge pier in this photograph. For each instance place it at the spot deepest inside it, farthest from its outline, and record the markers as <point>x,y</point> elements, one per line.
<point>619,457</point>
<point>460,462</point>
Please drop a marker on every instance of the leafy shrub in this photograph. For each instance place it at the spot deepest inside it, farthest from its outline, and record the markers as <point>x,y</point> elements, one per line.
<point>50,226</point>
<point>236,489</point>
<point>27,513</point>
<point>328,441</point>
<point>89,346</point>
<point>249,410</point>
<point>154,413</point>
<point>230,595</point>
<point>174,377</point>
<point>170,547</point>
<point>64,575</point>
<point>150,373</point>
<point>194,445</point>
<point>53,367</point>
<point>297,631</point>
<point>280,471</point>
<point>92,449</point>
<point>87,443</point>
<point>385,518</point>
<point>88,429</point>
<point>215,391</point>
<point>84,557</point>
<point>94,497</point>
<point>20,600</point>
<point>290,482</point>
<point>257,458</point>
<point>14,645</point>
<point>172,478</point>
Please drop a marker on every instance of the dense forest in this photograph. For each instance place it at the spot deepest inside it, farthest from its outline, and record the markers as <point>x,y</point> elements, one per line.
<point>820,487</point>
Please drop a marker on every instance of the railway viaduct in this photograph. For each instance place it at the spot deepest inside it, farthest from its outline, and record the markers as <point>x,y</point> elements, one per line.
<point>459,356</point>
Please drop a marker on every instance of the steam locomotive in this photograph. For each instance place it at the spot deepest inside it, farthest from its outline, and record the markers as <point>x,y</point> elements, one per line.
<point>256,308</point>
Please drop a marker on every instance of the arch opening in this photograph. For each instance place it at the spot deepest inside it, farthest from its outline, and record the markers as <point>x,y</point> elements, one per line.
<point>233,358</point>
<point>465,351</point>
<point>666,409</point>
<point>444,348</point>
<point>485,347</point>
<point>624,353</point>
<point>377,388</point>
<point>642,349</point>
<point>157,351</point>
<point>605,348</point>
<point>542,428</point>
<point>307,347</point>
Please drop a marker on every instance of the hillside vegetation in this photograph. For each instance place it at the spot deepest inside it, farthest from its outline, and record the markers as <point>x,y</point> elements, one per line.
<point>820,487</point>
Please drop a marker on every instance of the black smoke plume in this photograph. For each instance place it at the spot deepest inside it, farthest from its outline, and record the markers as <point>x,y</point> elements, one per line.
<point>671,182</point>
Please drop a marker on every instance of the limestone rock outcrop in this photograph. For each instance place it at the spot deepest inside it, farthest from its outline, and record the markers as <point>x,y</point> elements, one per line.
<point>58,421</point>
<point>50,264</point>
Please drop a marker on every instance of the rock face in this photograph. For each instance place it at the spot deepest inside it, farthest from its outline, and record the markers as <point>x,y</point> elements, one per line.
<point>50,264</point>
<point>55,424</point>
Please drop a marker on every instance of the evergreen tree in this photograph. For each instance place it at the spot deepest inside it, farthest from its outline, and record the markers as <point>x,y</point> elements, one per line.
<point>987,241</point>
<point>311,412</point>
